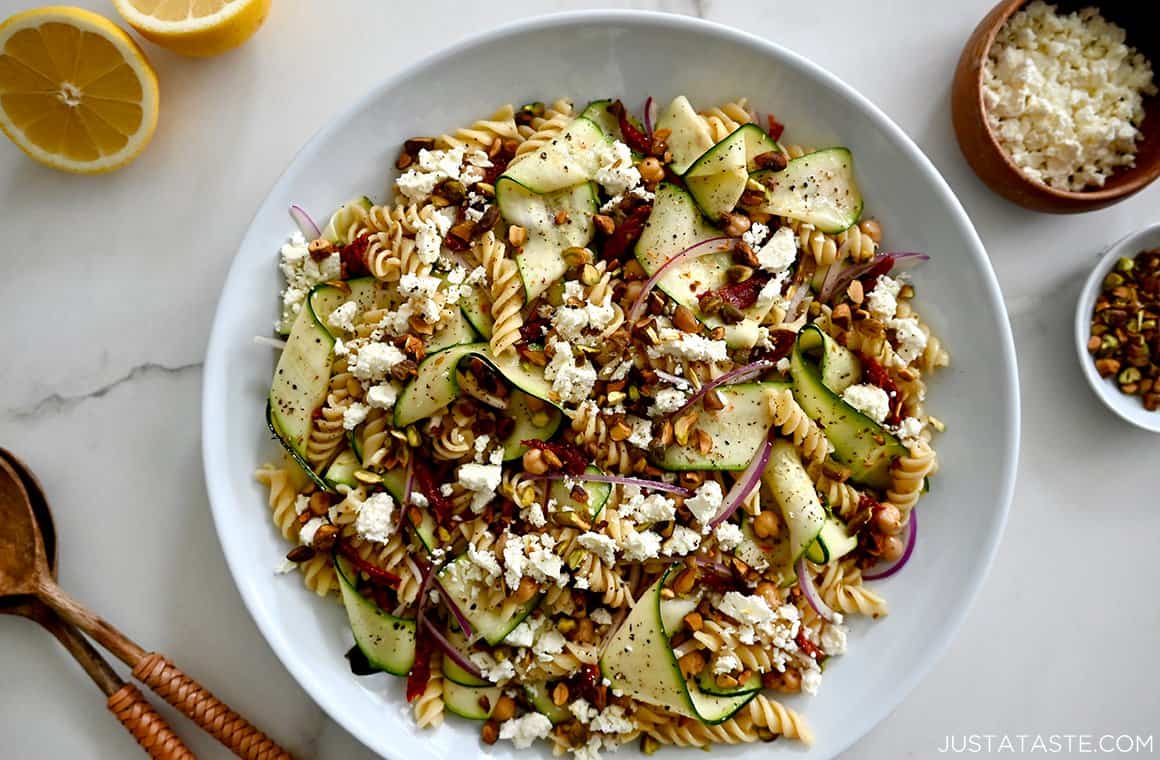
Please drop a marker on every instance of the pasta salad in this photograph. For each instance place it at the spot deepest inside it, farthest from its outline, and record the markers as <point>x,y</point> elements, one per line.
<point>599,427</point>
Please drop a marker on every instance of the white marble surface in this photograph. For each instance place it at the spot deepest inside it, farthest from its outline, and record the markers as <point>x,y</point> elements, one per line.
<point>112,283</point>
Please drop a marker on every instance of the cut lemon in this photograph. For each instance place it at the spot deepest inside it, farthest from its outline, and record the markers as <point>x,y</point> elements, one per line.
<point>76,93</point>
<point>195,27</point>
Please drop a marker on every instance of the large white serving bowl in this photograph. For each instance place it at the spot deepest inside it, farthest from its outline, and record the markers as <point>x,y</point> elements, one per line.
<point>632,55</point>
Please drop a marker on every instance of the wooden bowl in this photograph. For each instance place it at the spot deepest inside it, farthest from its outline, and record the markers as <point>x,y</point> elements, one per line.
<point>982,149</point>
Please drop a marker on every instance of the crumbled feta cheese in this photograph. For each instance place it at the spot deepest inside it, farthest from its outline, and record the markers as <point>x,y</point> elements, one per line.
<point>382,396</point>
<point>569,322</point>
<point>583,710</point>
<point>757,621</point>
<point>301,503</point>
<point>285,566</point>
<point>612,720</point>
<point>601,315</point>
<point>374,518</point>
<point>641,546</point>
<point>910,430</point>
<point>683,345</point>
<point>485,560</point>
<point>599,544</point>
<point>526,729</point>
<point>705,503</point>
<point>756,235</point>
<point>496,671</point>
<point>642,509</point>
<point>782,364</point>
<point>780,252</point>
<point>531,556</point>
<point>833,639</point>
<point>728,536</point>
<point>340,348</point>
<point>683,541</point>
<point>811,680</point>
<point>770,293</point>
<point>611,204</point>
<point>726,663</point>
<point>523,635</point>
<point>615,171</point>
<point>535,516</point>
<point>641,434</point>
<point>418,285</point>
<point>375,360</point>
<point>342,318</point>
<point>302,273</point>
<point>549,644</point>
<point>600,616</point>
<point>482,479</point>
<point>573,292</point>
<point>868,399</point>
<point>572,383</point>
<point>419,500</point>
<point>667,401</point>
<point>431,167</point>
<point>882,301</point>
<point>307,531</point>
<point>909,338</point>
<point>1063,95</point>
<point>354,415</point>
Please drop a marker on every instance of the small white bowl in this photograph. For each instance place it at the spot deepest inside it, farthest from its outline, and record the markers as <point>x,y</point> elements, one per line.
<point>1128,407</point>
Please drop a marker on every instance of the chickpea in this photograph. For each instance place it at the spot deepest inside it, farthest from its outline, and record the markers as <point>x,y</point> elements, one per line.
<point>872,228</point>
<point>489,734</point>
<point>765,525</point>
<point>526,590</point>
<point>534,462</point>
<point>890,549</point>
<point>790,682</point>
<point>888,520</point>
<point>651,171</point>
<point>736,225</point>
<point>768,592</point>
<point>505,708</point>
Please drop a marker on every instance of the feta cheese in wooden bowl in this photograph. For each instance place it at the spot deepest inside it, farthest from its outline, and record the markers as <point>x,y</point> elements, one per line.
<point>1055,105</point>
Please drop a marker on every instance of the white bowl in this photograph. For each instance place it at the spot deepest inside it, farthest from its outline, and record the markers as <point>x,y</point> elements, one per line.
<point>1127,407</point>
<point>630,54</point>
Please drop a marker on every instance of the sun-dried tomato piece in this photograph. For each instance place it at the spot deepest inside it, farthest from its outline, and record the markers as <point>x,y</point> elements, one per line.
<point>626,234</point>
<point>427,485</point>
<point>809,648</point>
<point>354,257</point>
<point>740,294</point>
<point>633,136</point>
<point>534,329</point>
<point>881,267</point>
<point>421,671</point>
<point>775,127</point>
<point>878,375</point>
<point>574,461</point>
<point>375,573</point>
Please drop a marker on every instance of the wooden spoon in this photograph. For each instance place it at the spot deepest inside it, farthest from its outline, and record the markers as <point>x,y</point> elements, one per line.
<point>25,571</point>
<point>125,701</point>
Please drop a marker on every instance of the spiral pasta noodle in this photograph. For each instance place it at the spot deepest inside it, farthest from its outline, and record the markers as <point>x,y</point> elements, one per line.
<point>841,588</point>
<point>590,432</point>
<point>328,435</point>
<point>507,294</point>
<point>543,130</point>
<point>816,243</point>
<point>724,119</point>
<point>797,425</point>
<point>428,706</point>
<point>908,475</point>
<point>480,135</point>
<point>842,498</point>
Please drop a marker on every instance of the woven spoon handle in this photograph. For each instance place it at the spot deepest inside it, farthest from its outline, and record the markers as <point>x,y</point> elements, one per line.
<point>147,726</point>
<point>206,710</point>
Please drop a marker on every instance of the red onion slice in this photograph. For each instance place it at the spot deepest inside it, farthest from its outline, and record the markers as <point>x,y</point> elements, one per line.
<point>806,584</point>
<point>655,485</point>
<point>741,374</point>
<point>749,479</point>
<point>464,623</point>
<point>911,539</point>
<point>450,651</point>
<point>649,107</point>
<point>832,287</point>
<point>408,480</point>
<point>672,379</point>
<point>306,224</point>
<point>705,247</point>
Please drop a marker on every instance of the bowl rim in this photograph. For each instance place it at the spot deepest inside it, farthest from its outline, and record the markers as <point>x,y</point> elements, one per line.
<point>1111,396</point>
<point>215,378</point>
<point>1101,196</point>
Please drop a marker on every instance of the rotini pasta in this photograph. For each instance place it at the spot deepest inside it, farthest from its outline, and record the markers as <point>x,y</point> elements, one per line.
<point>551,489</point>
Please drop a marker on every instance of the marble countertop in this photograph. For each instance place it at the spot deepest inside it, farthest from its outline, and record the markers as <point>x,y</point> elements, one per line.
<point>112,282</point>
